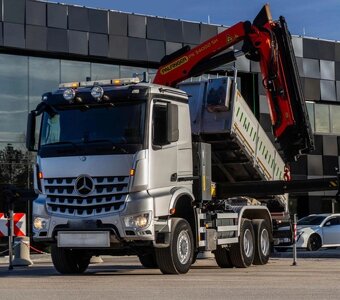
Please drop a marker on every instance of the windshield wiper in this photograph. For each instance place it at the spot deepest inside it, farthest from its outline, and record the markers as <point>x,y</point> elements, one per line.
<point>63,143</point>
<point>107,141</point>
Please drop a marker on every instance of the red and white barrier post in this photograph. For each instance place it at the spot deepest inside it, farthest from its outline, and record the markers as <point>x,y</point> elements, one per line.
<point>295,240</point>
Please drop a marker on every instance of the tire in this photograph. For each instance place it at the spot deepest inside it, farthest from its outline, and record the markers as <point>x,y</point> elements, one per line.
<point>314,242</point>
<point>222,257</point>
<point>178,257</point>
<point>194,257</point>
<point>262,242</point>
<point>242,253</point>
<point>148,260</point>
<point>68,261</point>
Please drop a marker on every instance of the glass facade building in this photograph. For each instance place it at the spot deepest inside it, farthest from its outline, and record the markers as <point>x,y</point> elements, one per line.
<point>43,44</point>
<point>23,80</point>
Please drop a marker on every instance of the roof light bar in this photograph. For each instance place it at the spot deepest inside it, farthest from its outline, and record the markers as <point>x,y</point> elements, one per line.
<point>67,85</point>
<point>125,81</point>
<point>120,81</point>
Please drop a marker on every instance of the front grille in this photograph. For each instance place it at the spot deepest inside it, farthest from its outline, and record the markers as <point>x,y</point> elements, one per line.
<point>108,196</point>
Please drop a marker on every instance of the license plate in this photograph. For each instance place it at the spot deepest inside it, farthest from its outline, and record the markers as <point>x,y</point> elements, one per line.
<point>69,239</point>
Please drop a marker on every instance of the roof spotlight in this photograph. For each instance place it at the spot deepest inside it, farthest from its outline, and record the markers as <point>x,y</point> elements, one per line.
<point>69,94</point>
<point>97,92</point>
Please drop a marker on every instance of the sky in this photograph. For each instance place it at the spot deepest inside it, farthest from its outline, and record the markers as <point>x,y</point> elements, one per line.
<point>312,18</point>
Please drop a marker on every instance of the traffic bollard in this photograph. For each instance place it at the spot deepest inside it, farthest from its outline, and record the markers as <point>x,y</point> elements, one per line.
<point>22,252</point>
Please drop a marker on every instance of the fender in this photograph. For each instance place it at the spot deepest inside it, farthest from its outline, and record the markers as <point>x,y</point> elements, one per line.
<point>253,212</point>
<point>179,192</point>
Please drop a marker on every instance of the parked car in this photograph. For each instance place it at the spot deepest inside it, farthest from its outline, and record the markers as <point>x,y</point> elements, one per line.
<point>317,231</point>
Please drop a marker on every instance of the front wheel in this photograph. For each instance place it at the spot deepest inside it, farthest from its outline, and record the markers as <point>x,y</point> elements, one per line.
<point>178,257</point>
<point>314,242</point>
<point>69,261</point>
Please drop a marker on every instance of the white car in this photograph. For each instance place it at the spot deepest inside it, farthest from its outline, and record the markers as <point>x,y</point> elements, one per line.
<point>318,230</point>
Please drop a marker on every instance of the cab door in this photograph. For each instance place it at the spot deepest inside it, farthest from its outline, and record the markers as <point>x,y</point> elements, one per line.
<point>163,154</point>
<point>331,231</point>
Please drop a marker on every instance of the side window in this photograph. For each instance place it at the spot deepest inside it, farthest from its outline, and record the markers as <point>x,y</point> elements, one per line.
<point>159,124</point>
<point>165,124</point>
<point>51,134</point>
<point>332,222</point>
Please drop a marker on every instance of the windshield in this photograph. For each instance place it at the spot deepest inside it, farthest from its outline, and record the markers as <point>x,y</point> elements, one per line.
<point>311,220</point>
<point>117,128</point>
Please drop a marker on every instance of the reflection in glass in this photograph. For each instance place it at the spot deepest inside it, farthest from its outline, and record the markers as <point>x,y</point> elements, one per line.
<point>75,71</point>
<point>101,71</point>
<point>310,109</point>
<point>322,118</point>
<point>44,76</point>
<point>335,117</point>
<point>15,166</point>
<point>128,72</point>
<point>13,96</point>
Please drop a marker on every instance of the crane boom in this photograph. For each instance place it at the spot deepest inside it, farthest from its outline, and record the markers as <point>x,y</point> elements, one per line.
<point>269,43</point>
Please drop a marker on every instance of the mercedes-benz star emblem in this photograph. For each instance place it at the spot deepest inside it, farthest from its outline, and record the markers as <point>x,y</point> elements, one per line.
<point>84,185</point>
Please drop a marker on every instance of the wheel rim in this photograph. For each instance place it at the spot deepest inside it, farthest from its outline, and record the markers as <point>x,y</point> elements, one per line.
<point>248,245</point>
<point>314,241</point>
<point>264,242</point>
<point>183,247</point>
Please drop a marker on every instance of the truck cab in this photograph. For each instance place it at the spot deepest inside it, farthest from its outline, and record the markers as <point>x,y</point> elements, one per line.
<point>110,158</point>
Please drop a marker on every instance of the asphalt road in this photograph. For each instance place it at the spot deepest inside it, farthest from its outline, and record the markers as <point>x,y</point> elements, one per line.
<point>124,278</point>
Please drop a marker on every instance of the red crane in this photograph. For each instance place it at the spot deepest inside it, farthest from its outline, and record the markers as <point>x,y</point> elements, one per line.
<point>269,43</point>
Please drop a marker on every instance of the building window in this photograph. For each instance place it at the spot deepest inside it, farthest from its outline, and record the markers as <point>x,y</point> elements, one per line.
<point>322,118</point>
<point>101,71</point>
<point>42,79</point>
<point>13,97</point>
<point>335,119</point>
<point>311,115</point>
<point>75,70</point>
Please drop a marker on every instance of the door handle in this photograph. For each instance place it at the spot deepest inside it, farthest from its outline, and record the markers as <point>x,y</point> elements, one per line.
<point>173,177</point>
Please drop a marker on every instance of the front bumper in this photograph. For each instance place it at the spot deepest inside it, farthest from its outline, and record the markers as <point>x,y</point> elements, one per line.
<point>114,223</point>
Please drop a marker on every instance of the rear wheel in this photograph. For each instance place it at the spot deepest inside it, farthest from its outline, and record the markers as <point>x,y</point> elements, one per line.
<point>314,242</point>
<point>69,261</point>
<point>222,257</point>
<point>178,257</point>
<point>242,253</point>
<point>262,242</point>
<point>148,260</point>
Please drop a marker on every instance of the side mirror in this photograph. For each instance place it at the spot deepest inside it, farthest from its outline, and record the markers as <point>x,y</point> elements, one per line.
<point>30,133</point>
<point>172,126</point>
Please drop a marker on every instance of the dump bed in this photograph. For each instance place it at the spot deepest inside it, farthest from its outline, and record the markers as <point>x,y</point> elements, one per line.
<point>241,150</point>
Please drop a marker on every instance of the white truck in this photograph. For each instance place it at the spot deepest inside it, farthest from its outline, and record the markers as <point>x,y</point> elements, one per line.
<point>137,168</point>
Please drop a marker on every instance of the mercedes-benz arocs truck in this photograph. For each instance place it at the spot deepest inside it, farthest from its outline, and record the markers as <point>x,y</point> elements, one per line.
<point>136,168</point>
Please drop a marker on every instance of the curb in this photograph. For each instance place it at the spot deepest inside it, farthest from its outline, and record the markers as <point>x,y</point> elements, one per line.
<point>36,258</point>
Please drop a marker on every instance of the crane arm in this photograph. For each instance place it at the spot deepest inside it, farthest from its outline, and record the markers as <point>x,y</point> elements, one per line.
<point>269,43</point>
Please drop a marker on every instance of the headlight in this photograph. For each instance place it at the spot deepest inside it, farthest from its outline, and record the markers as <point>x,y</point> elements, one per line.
<point>97,92</point>
<point>40,223</point>
<point>69,94</point>
<point>137,221</point>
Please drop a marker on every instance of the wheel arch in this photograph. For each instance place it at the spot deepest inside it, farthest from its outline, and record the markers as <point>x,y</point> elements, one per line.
<point>182,202</point>
<point>316,234</point>
<point>255,212</point>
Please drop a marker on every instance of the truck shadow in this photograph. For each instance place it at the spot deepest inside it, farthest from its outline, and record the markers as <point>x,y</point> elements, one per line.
<point>98,270</point>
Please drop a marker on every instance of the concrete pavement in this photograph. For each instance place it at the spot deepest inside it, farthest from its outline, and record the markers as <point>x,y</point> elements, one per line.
<point>322,253</point>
